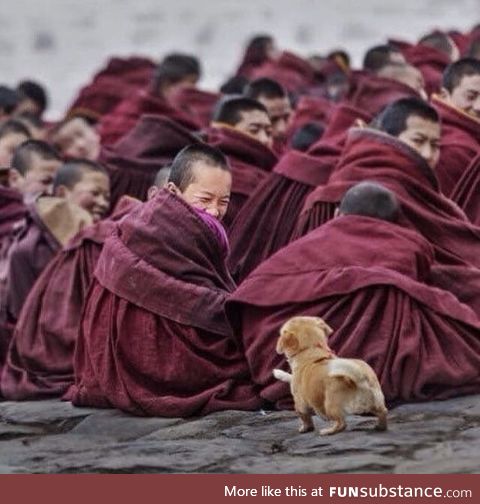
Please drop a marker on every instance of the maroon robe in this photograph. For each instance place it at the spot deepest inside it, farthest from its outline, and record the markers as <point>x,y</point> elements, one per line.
<point>40,357</point>
<point>251,162</point>
<point>112,84</point>
<point>197,103</point>
<point>124,117</point>
<point>467,191</point>
<point>134,160</point>
<point>50,223</point>
<point>267,220</point>
<point>375,156</point>
<point>154,338</point>
<point>293,72</point>
<point>310,109</point>
<point>460,143</point>
<point>431,62</point>
<point>365,278</point>
<point>372,94</point>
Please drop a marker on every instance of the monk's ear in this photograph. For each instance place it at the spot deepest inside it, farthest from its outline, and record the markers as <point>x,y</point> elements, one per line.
<point>15,179</point>
<point>152,192</point>
<point>172,188</point>
<point>444,94</point>
<point>288,342</point>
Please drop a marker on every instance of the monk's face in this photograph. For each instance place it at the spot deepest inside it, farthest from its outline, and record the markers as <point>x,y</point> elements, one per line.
<point>39,177</point>
<point>423,136</point>
<point>256,124</point>
<point>8,144</point>
<point>466,96</point>
<point>209,191</point>
<point>92,193</point>
<point>78,139</point>
<point>280,111</point>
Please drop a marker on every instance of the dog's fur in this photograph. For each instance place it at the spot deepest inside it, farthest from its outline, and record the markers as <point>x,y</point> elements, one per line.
<point>323,384</point>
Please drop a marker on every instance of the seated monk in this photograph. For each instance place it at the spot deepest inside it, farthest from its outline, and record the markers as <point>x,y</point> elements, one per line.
<point>135,159</point>
<point>365,276</point>
<point>459,108</point>
<point>81,189</point>
<point>275,98</point>
<point>40,358</point>
<point>175,72</point>
<point>402,155</point>
<point>76,137</point>
<point>33,167</point>
<point>242,130</point>
<point>154,339</point>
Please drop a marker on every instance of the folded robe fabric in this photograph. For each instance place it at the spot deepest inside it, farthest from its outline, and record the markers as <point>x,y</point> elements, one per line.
<point>467,191</point>
<point>365,278</point>
<point>154,338</point>
<point>123,118</point>
<point>267,220</point>
<point>40,357</point>
<point>250,160</point>
<point>431,62</point>
<point>460,143</point>
<point>375,156</point>
<point>135,159</point>
<point>197,103</point>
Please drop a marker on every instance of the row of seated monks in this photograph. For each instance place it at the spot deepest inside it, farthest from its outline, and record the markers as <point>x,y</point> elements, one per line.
<point>154,240</point>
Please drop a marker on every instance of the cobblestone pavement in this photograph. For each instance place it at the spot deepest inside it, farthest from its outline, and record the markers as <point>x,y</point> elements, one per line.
<point>55,437</point>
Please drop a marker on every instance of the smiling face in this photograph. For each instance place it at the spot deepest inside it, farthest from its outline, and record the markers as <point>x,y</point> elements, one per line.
<point>91,192</point>
<point>423,136</point>
<point>209,190</point>
<point>256,124</point>
<point>77,139</point>
<point>466,95</point>
<point>39,178</point>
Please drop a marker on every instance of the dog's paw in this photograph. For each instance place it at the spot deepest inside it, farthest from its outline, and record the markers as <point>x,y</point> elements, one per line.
<point>282,375</point>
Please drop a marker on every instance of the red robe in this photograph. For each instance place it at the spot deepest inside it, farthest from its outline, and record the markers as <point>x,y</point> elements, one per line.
<point>40,357</point>
<point>134,160</point>
<point>196,103</point>
<point>372,155</point>
<point>431,62</point>
<point>266,222</point>
<point>460,143</point>
<point>115,82</point>
<point>250,160</point>
<point>372,94</point>
<point>365,278</point>
<point>154,338</point>
<point>466,192</point>
<point>124,117</point>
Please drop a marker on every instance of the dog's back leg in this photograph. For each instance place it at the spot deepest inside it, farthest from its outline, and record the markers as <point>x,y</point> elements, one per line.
<point>333,409</point>
<point>305,415</point>
<point>381,413</point>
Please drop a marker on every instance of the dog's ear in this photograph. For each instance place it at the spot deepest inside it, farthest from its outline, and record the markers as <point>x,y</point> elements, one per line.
<point>287,342</point>
<point>323,325</point>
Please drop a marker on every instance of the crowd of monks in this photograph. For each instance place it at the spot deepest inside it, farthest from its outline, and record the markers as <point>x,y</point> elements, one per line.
<point>155,239</point>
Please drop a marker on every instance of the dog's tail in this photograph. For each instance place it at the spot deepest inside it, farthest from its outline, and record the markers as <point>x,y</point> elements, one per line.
<point>282,375</point>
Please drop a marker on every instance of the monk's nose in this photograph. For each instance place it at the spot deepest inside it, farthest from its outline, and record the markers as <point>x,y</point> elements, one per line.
<point>213,211</point>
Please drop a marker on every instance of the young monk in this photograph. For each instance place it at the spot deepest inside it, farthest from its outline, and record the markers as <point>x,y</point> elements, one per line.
<point>12,134</point>
<point>33,168</point>
<point>32,98</point>
<point>459,109</point>
<point>164,347</point>
<point>242,130</point>
<point>365,275</point>
<point>40,358</point>
<point>81,189</point>
<point>75,137</point>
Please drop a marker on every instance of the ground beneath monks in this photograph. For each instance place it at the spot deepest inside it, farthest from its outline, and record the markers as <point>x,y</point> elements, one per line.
<point>55,437</point>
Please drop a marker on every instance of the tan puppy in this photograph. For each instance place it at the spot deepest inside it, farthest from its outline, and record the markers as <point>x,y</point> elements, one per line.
<point>324,384</point>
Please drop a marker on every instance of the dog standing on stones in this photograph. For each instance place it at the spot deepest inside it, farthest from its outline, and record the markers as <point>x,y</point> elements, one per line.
<point>324,384</point>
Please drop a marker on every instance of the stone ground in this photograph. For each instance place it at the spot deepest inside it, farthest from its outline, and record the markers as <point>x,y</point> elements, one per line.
<point>55,437</point>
